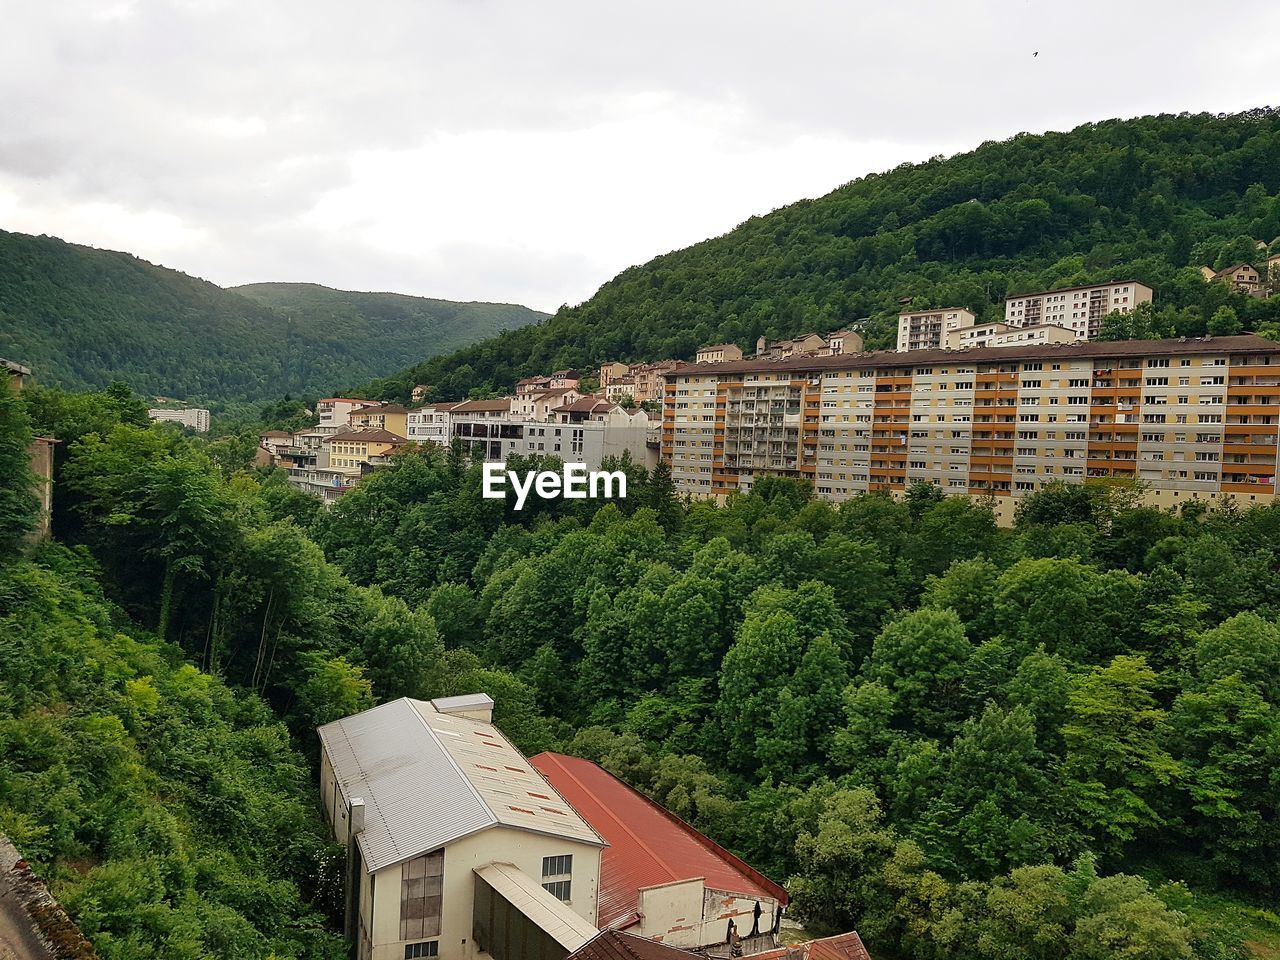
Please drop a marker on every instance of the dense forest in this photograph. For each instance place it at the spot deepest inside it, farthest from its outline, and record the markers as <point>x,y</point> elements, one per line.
<point>1149,199</point>
<point>82,317</point>
<point>1053,741</point>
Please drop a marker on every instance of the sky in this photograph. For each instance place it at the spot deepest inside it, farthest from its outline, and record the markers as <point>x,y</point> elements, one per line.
<point>528,150</point>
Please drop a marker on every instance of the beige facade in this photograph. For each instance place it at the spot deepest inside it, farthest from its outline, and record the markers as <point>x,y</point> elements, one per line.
<point>842,341</point>
<point>1003,335</point>
<point>925,329</point>
<point>391,417</point>
<point>1243,277</point>
<point>425,795</point>
<point>1079,309</point>
<point>1191,419</point>
<point>193,418</point>
<point>719,353</point>
<point>351,451</point>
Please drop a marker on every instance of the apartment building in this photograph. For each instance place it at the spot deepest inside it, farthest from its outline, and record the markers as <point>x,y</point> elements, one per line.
<point>380,416</point>
<point>640,381</point>
<point>1079,309</point>
<point>843,341</point>
<point>352,451</point>
<point>1003,335</point>
<point>335,412</point>
<point>925,329</point>
<point>1190,418</point>
<point>193,418</point>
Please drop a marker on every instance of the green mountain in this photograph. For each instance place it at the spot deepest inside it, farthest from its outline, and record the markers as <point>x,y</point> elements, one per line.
<point>82,317</point>
<point>1148,199</point>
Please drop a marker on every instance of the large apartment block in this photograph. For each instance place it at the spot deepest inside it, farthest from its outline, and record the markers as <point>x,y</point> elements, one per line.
<point>1079,309</point>
<point>1190,418</point>
<point>927,329</point>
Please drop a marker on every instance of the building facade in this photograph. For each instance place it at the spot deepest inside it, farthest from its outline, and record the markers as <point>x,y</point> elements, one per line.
<point>1003,335</point>
<point>925,329</point>
<point>193,418</point>
<point>1079,309</point>
<point>1190,419</point>
<point>718,353</point>
<point>447,827</point>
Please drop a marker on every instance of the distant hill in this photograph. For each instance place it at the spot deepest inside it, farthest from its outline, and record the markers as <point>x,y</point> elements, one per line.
<point>82,317</point>
<point>1147,199</point>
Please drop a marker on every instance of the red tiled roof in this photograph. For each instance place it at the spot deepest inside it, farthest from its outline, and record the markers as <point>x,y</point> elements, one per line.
<point>648,845</point>
<point>844,946</point>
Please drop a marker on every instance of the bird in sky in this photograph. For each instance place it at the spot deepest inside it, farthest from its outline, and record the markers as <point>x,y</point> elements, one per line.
<point>1036,54</point>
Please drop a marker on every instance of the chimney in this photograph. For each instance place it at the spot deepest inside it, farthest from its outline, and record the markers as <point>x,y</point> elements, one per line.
<point>473,706</point>
<point>355,816</point>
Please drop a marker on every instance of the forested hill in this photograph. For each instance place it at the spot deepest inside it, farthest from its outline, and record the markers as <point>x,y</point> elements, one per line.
<point>1148,199</point>
<point>82,317</point>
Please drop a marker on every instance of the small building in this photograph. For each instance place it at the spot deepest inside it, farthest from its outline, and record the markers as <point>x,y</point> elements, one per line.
<point>351,450</point>
<point>380,416</point>
<point>659,877</point>
<point>718,353</point>
<point>193,418</point>
<point>999,334</point>
<point>842,341</point>
<point>805,345</point>
<point>1243,277</point>
<point>456,847</point>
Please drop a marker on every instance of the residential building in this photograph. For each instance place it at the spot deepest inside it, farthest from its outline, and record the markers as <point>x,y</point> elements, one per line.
<point>430,424</point>
<point>456,847</point>
<point>640,381</point>
<point>807,344</point>
<point>718,353</point>
<point>537,406</point>
<point>1079,309</point>
<point>585,430</point>
<point>842,341</point>
<point>1189,418</point>
<point>1243,277</point>
<point>16,374</point>
<point>380,416</point>
<point>998,334</point>
<point>925,329</point>
<point>559,380</point>
<point>193,418</point>
<point>335,412</point>
<point>659,877</point>
<point>351,451</point>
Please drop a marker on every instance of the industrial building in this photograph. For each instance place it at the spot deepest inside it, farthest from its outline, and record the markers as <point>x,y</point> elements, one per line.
<point>458,847</point>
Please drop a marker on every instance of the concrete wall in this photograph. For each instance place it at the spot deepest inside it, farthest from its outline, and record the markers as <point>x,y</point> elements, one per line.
<point>690,915</point>
<point>519,847</point>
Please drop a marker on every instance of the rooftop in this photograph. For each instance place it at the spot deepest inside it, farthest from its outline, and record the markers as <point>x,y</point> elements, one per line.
<point>620,945</point>
<point>483,406</point>
<point>647,845</point>
<point>1093,349</point>
<point>368,436</point>
<point>429,778</point>
<point>1083,286</point>
<point>844,946</point>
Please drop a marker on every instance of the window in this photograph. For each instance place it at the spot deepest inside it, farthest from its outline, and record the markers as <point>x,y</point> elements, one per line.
<point>556,873</point>
<point>421,887</point>
<point>428,948</point>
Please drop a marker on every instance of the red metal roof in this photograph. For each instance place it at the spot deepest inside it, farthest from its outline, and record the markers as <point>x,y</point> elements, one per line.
<point>845,946</point>
<point>648,844</point>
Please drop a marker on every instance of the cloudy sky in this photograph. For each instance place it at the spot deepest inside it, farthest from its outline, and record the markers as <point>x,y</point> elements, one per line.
<point>528,150</point>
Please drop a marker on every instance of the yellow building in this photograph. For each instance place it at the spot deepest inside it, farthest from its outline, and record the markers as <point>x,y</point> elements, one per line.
<point>1190,419</point>
<point>384,416</point>
<point>352,450</point>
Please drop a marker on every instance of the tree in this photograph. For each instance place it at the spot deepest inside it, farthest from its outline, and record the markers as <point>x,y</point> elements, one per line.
<point>19,507</point>
<point>334,688</point>
<point>1115,765</point>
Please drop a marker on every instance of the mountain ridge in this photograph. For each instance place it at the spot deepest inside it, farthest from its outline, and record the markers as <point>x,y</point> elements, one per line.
<point>82,316</point>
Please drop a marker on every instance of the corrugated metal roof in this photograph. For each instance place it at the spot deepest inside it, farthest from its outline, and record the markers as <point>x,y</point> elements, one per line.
<point>528,896</point>
<point>466,701</point>
<point>620,945</point>
<point>648,845</point>
<point>429,778</point>
<point>844,946</point>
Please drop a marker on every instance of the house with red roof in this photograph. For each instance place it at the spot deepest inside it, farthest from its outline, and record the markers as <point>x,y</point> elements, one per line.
<point>659,877</point>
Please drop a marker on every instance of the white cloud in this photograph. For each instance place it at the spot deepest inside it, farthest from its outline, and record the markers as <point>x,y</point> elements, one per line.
<point>493,149</point>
